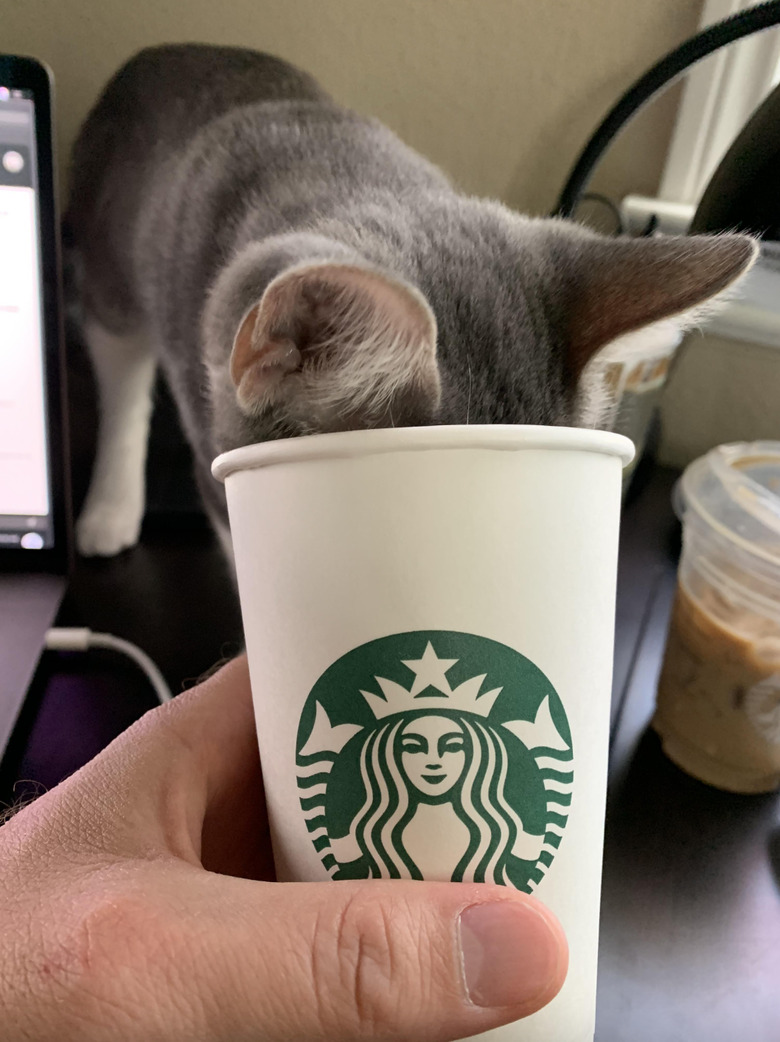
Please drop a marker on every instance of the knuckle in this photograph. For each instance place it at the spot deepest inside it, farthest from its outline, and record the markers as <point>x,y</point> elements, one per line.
<point>109,928</point>
<point>377,954</point>
<point>106,959</point>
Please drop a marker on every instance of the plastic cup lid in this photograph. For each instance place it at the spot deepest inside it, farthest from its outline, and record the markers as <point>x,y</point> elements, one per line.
<point>736,489</point>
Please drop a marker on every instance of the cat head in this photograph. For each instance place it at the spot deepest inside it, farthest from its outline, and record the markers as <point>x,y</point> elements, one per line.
<point>495,319</point>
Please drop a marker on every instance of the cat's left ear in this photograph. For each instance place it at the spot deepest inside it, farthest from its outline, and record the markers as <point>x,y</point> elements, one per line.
<point>334,346</point>
<point>625,295</point>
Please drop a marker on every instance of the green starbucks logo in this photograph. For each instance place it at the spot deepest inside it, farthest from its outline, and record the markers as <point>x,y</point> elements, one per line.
<point>436,755</point>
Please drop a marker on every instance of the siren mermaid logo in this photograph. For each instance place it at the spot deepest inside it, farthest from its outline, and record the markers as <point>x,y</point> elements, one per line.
<point>435,755</point>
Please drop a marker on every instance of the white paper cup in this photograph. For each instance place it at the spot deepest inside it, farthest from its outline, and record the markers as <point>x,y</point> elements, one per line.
<point>429,619</point>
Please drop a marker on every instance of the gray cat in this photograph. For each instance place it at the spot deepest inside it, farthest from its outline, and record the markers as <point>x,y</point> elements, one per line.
<point>294,268</point>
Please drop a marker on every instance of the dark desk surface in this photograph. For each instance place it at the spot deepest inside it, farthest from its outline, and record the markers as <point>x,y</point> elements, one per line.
<point>690,923</point>
<point>690,941</point>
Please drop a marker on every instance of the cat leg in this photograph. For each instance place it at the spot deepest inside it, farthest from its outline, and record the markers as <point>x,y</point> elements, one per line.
<point>124,367</point>
<point>212,496</point>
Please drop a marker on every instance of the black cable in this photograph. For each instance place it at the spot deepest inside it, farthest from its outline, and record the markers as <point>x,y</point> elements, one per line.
<point>608,204</point>
<point>743,23</point>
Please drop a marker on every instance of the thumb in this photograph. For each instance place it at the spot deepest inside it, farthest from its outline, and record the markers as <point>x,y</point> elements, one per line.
<point>413,961</point>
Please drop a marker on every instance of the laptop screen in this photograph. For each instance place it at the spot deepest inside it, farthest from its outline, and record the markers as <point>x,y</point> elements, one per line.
<point>26,519</point>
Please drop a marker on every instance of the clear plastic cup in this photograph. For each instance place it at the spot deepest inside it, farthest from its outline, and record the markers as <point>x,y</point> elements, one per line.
<point>718,710</point>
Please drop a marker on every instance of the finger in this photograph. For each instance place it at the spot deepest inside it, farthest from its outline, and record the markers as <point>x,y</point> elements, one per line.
<point>216,723</point>
<point>373,960</point>
<point>215,720</point>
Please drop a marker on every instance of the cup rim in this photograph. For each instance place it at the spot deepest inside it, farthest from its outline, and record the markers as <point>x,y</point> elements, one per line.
<point>350,444</point>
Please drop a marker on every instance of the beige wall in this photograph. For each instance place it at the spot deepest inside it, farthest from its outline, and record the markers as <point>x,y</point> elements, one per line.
<point>501,93</point>
<point>719,391</point>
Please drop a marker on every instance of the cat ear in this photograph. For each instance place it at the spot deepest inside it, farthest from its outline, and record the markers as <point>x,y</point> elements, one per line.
<point>625,295</point>
<point>337,345</point>
<point>620,285</point>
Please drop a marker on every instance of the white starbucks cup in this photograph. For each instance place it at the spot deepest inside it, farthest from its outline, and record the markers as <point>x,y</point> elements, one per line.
<point>429,620</point>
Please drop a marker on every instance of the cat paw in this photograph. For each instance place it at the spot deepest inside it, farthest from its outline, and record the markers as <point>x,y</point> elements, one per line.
<point>105,529</point>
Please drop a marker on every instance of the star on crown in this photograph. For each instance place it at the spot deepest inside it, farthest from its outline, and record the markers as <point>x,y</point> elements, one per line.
<point>430,672</point>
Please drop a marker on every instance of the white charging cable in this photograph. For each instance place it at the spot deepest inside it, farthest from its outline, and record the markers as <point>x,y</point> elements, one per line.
<point>82,639</point>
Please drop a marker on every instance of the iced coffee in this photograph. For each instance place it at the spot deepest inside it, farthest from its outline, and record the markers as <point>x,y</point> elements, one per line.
<point>718,710</point>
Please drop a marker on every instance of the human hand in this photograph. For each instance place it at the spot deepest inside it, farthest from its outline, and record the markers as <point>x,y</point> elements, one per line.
<point>139,905</point>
